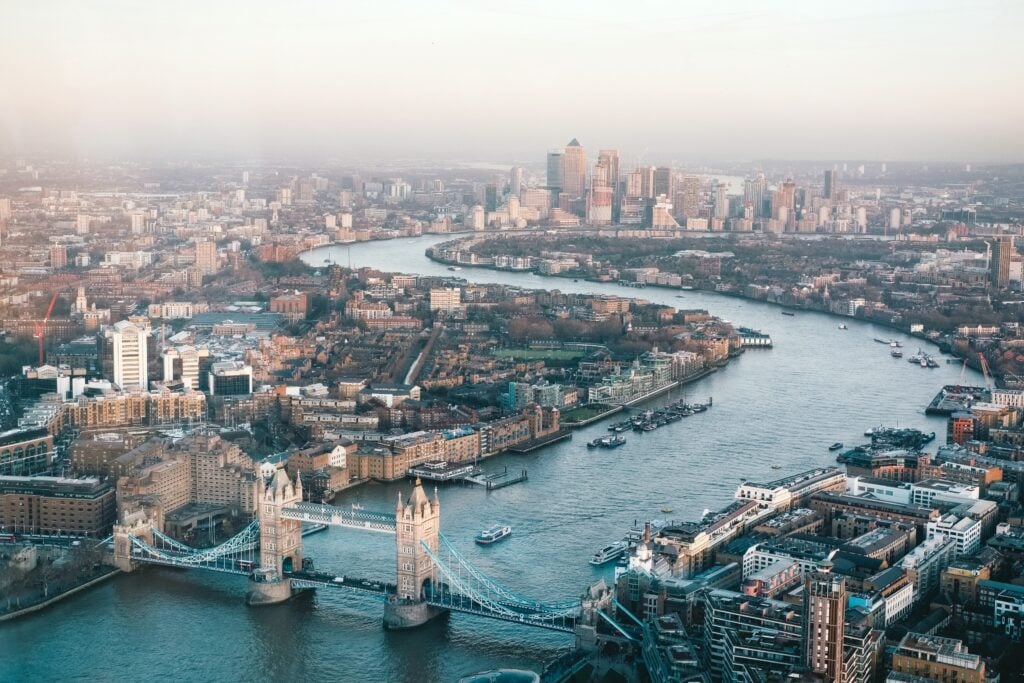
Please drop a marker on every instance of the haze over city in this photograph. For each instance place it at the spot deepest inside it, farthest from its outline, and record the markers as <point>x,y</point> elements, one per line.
<point>659,81</point>
<point>524,342</point>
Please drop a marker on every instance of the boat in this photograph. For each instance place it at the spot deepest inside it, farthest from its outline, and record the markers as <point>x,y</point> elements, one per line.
<point>493,534</point>
<point>611,441</point>
<point>788,313</point>
<point>593,443</point>
<point>776,467</point>
<point>609,553</point>
<point>666,510</point>
<point>896,353</point>
<point>454,268</point>
<point>843,326</point>
<point>836,446</point>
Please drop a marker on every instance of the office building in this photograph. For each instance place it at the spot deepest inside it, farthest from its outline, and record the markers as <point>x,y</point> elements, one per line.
<point>999,263</point>
<point>230,378</point>
<point>516,181</point>
<point>129,351</point>
<point>574,169</point>
<point>555,177</point>
<point>830,188</point>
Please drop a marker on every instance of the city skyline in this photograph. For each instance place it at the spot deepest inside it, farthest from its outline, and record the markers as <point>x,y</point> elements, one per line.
<point>686,83</point>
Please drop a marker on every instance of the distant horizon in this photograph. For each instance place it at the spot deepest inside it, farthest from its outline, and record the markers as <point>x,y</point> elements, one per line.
<point>918,80</point>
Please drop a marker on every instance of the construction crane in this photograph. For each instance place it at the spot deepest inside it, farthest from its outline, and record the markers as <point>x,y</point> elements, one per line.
<point>41,328</point>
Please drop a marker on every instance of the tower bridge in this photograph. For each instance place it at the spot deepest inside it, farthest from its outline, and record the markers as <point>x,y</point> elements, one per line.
<point>431,576</point>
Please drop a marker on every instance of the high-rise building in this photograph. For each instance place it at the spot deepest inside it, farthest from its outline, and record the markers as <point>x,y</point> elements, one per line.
<point>129,351</point>
<point>206,257</point>
<point>688,203</point>
<point>574,169</point>
<point>138,222</point>
<point>516,181</point>
<point>609,160</point>
<point>831,188</point>
<point>555,174</point>
<point>753,194</point>
<point>58,256</point>
<point>824,622</point>
<point>721,202</point>
<point>999,262</point>
<point>663,182</point>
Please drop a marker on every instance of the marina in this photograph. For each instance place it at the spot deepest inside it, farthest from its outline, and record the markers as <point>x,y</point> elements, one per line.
<point>649,420</point>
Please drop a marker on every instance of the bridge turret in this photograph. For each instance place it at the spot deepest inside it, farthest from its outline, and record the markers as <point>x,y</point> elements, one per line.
<point>417,523</point>
<point>280,539</point>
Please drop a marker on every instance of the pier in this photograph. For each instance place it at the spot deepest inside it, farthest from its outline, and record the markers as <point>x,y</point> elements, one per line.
<point>533,444</point>
<point>498,480</point>
<point>444,471</point>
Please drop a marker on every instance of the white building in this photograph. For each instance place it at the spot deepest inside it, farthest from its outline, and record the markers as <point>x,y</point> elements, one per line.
<point>924,564</point>
<point>964,532</point>
<point>129,349</point>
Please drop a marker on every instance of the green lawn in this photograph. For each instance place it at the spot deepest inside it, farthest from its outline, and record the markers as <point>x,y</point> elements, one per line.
<point>584,412</point>
<point>538,354</point>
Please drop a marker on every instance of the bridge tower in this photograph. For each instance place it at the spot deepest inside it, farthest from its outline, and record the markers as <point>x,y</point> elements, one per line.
<point>137,524</point>
<point>417,522</point>
<point>280,540</point>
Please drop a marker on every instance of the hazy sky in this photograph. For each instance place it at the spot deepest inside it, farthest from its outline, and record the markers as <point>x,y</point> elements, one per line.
<point>674,80</point>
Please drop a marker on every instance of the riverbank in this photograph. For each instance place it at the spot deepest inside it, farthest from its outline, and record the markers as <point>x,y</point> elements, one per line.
<point>431,255</point>
<point>51,600</point>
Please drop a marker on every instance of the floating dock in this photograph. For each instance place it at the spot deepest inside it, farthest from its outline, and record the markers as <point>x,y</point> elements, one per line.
<point>498,480</point>
<point>445,471</point>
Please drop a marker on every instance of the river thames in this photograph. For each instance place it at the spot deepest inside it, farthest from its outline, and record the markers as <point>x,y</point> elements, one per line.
<point>782,406</point>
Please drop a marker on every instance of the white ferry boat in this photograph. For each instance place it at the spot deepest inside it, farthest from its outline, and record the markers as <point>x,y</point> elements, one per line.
<point>609,553</point>
<point>493,534</point>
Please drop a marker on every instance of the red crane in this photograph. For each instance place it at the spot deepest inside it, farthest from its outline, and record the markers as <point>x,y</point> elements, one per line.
<point>40,328</point>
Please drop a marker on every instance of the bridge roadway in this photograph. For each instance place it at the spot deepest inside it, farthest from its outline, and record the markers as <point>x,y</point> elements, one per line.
<point>317,513</point>
<point>313,579</point>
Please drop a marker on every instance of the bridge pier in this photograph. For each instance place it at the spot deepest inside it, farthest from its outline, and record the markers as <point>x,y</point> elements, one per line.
<point>400,615</point>
<point>268,592</point>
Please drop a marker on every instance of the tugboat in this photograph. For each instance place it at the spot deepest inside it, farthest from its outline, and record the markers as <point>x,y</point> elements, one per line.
<point>493,534</point>
<point>843,326</point>
<point>896,353</point>
<point>611,441</point>
<point>836,446</point>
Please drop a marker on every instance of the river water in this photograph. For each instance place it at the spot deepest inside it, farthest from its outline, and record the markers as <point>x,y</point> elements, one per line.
<point>782,406</point>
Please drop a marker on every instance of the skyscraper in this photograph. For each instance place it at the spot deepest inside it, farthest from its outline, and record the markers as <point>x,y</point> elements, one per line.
<point>609,159</point>
<point>516,181</point>
<point>831,185</point>
<point>721,202</point>
<point>999,262</point>
<point>574,169</point>
<point>663,182</point>
<point>129,351</point>
<point>689,197</point>
<point>555,175</point>
<point>825,621</point>
<point>753,193</point>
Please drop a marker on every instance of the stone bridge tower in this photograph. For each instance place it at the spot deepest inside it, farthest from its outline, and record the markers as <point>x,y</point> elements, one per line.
<point>280,539</point>
<point>417,523</point>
